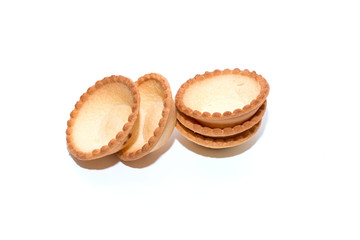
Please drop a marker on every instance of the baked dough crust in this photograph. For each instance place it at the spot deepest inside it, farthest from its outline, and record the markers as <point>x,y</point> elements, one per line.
<point>103,118</point>
<point>231,117</point>
<point>156,120</point>
<point>220,142</point>
<point>196,127</point>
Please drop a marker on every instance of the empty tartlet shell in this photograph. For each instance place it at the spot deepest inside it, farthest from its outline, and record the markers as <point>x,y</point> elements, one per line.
<point>196,127</point>
<point>219,142</point>
<point>233,116</point>
<point>121,137</point>
<point>165,126</point>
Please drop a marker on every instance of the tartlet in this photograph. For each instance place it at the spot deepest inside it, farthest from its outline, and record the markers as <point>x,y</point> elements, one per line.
<point>219,142</point>
<point>221,99</point>
<point>103,118</point>
<point>193,125</point>
<point>156,121</point>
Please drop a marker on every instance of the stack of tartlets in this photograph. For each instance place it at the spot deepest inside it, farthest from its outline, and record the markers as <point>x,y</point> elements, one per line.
<point>119,116</point>
<point>221,109</point>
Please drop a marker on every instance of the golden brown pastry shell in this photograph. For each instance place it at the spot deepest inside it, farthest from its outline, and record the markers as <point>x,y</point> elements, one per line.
<point>229,118</point>
<point>166,124</point>
<point>197,127</point>
<point>121,137</point>
<point>219,142</point>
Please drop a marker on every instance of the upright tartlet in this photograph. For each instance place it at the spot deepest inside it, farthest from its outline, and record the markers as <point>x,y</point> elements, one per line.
<point>103,118</point>
<point>156,121</point>
<point>222,99</point>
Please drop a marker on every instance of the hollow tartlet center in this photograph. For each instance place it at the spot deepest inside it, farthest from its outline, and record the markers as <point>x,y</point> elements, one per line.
<point>102,116</point>
<point>151,107</point>
<point>221,93</point>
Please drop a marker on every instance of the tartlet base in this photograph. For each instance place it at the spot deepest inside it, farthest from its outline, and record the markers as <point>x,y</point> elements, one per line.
<point>217,143</point>
<point>197,127</point>
<point>233,116</point>
<point>165,125</point>
<point>121,137</point>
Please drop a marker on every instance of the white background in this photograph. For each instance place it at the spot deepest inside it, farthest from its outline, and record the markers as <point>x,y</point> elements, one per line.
<point>298,178</point>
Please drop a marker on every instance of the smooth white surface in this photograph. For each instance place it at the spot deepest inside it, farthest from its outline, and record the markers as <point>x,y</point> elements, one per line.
<point>297,179</point>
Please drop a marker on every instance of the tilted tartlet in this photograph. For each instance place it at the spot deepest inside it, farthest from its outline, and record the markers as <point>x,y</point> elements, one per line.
<point>221,99</point>
<point>218,142</point>
<point>156,121</point>
<point>193,125</point>
<point>103,118</point>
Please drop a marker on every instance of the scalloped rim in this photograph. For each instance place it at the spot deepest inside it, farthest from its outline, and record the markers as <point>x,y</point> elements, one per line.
<point>224,142</point>
<point>168,101</point>
<point>264,92</point>
<point>121,137</point>
<point>196,127</point>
